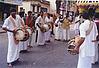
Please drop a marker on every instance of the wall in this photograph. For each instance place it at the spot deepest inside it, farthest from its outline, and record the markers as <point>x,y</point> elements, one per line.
<point>26,6</point>
<point>46,6</point>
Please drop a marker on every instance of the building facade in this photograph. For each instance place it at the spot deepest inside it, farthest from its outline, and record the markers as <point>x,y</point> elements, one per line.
<point>35,6</point>
<point>6,5</point>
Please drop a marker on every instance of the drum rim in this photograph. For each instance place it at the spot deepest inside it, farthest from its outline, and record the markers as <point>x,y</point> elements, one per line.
<point>16,32</point>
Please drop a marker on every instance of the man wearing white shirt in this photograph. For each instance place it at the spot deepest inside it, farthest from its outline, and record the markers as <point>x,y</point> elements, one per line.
<point>58,28</point>
<point>40,35</point>
<point>86,48</point>
<point>10,25</point>
<point>48,33</point>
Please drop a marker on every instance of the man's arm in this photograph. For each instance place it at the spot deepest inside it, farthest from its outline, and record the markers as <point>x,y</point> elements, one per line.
<point>4,28</point>
<point>38,25</point>
<point>38,22</point>
<point>76,49</point>
<point>80,42</point>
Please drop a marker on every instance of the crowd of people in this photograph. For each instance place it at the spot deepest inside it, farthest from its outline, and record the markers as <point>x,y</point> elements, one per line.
<point>44,25</point>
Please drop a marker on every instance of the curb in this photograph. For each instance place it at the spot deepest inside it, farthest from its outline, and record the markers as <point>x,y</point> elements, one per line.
<point>2,32</point>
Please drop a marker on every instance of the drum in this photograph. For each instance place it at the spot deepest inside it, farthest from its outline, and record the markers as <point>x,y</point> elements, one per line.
<point>72,44</point>
<point>21,35</point>
<point>45,28</point>
<point>71,47</point>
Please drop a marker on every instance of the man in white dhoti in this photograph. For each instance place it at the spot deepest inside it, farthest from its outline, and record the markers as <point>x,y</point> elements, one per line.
<point>66,29</point>
<point>58,29</point>
<point>48,21</point>
<point>40,35</point>
<point>10,25</point>
<point>86,48</point>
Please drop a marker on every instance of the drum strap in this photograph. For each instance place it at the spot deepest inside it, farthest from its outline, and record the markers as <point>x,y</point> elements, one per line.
<point>36,35</point>
<point>89,29</point>
<point>42,21</point>
<point>12,20</point>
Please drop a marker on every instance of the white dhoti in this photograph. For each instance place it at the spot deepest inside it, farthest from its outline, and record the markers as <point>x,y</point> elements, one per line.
<point>95,58</point>
<point>23,45</point>
<point>58,33</point>
<point>13,49</point>
<point>40,38</point>
<point>66,34</point>
<point>30,40</point>
<point>33,39</point>
<point>84,62</point>
<point>47,35</point>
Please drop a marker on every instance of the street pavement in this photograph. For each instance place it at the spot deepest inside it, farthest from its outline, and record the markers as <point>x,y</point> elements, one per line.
<point>53,55</point>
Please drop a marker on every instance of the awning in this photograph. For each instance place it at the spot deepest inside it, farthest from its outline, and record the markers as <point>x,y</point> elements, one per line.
<point>14,2</point>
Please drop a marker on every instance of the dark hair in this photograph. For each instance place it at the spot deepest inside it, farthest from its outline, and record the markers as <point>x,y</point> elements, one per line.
<point>12,10</point>
<point>41,12</point>
<point>51,15</point>
<point>29,12</point>
<point>96,15</point>
<point>85,15</point>
<point>91,12</point>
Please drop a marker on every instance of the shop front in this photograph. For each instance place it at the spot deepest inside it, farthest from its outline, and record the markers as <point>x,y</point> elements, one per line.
<point>5,9</point>
<point>6,5</point>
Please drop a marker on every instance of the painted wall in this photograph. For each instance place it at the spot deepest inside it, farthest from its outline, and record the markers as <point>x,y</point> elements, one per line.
<point>26,6</point>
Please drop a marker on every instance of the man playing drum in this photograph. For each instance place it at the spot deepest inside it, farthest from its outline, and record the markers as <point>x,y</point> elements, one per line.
<point>10,25</point>
<point>48,22</point>
<point>39,34</point>
<point>86,48</point>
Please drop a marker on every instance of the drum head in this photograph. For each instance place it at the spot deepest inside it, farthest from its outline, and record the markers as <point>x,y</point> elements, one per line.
<point>26,37</point>
<point>46,27</point>
<point>19,34</point>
